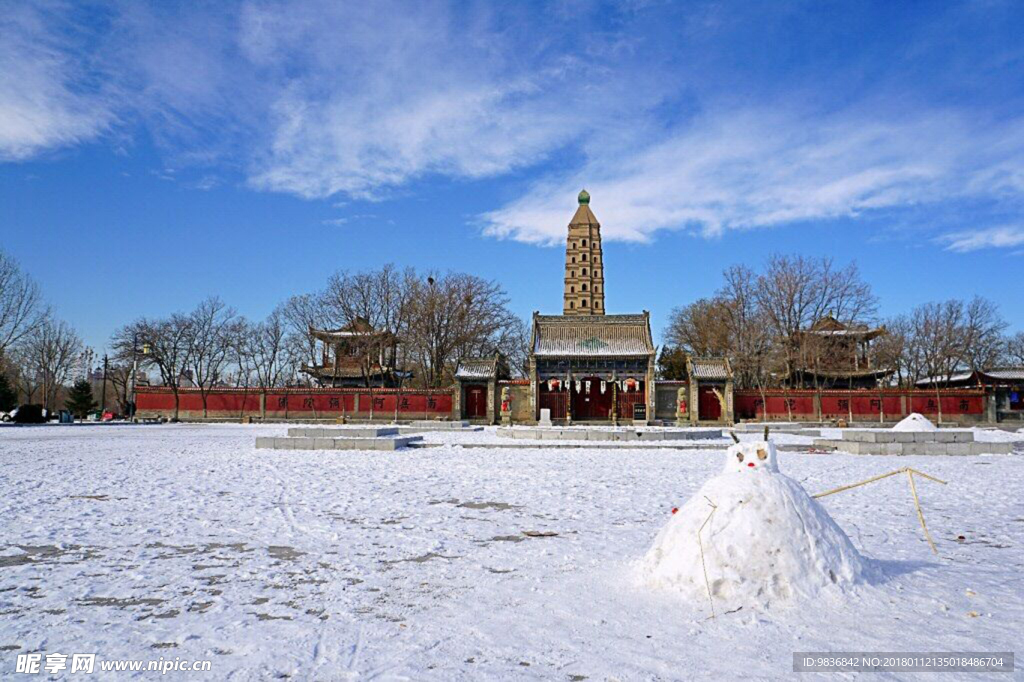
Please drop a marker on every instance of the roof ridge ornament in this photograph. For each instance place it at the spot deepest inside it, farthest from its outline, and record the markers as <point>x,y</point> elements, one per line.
<point>584,197</point>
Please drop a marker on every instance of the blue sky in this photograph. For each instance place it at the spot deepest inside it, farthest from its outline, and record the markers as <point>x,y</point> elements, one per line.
<point>152,154</point>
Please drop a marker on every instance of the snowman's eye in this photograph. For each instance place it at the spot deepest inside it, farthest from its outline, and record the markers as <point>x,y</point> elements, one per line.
<point>739,456</point>
<point>762,453</point>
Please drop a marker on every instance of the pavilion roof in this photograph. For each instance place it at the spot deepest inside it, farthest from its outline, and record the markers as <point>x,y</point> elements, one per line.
<point>709,368</point>
<point>829,326</point>
<point>592,335</point>
<point>992,376</point>
<point>492,367</point>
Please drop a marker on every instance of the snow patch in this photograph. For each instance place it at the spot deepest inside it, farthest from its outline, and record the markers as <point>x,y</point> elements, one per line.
<point>915,423</point>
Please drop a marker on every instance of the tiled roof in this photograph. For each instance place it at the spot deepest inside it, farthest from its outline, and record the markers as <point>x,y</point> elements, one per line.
<point>982,377</point>
<point>1009,373</point>
<point>709,368</point>
<point>476,368</point>
<point>345,371</point>
<point>592,335</point>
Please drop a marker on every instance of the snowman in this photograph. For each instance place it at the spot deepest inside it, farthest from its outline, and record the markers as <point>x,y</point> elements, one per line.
<point>753,537</point>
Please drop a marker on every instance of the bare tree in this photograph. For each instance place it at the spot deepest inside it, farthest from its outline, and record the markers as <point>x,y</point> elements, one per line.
<point>119,374</point>
<point>897,349</point>
<point>161,343</point>
<point>51,351</point>
<point>211,334</point>
<point>700,328</point>
<point>514,344</point>
<point>378,299</point>
<point>454,316</point>
<point>938,334</point>
<point>731,324</point>
<point>794,292</point>
<point>301,314</point>
<point>21,306</point>
<point>1014,348</point>
<point>265,350</point>
<point>982,334</point>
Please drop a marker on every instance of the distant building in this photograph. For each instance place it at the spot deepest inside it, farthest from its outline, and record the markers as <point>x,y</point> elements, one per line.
<point>356,355</point>
<point>832,354</point>
<point>476,382</point>
<point>1005,384</point>
<point>586,365</point>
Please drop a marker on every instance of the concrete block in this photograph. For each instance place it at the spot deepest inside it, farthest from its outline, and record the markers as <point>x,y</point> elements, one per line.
<point>978,448</point>
<point>264,442</point>
<point>960,448</point>
<point>283,444</point>
<point>854,435</point>
<point>652,435</point>
<point>323,443</point>
<point>923,448</point>
<point>902,437</point>
<point>302,444</point>
<point>963,436</point>
<point>601,435</point>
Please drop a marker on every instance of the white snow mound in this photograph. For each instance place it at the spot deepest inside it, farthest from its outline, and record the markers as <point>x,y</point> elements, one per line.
<point>915,422</point>
<point>766,541</point>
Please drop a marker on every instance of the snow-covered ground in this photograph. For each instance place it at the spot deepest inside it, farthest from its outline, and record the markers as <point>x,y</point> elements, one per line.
<point>455,563</point>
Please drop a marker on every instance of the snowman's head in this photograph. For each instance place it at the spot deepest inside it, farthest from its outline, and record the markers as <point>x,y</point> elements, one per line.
<point>752,456</point>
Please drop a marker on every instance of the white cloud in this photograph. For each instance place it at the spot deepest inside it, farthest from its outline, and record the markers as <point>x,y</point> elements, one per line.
<point>989,238</point>
<point>44,103</point>
<point>763,167</point>
<point>403,91</point>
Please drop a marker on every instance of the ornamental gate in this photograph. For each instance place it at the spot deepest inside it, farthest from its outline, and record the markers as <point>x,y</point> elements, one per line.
<point>626,400</point>
<point>590,402</point>
<point>708,406</point>
<point>556,401</point>
<point>476,401</point>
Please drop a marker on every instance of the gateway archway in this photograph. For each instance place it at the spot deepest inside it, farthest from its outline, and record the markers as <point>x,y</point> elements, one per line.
<point>590,402</point>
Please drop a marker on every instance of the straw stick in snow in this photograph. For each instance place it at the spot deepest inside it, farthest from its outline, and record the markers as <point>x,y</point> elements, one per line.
<point>700,544</point>
<point>913,491</point>
<point>920,515</point>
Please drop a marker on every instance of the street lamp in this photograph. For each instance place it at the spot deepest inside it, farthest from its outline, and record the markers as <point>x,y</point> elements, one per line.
<point>135,371</point>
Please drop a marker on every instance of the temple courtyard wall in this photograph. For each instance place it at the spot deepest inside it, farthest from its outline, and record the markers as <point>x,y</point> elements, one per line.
<point>958,406</point>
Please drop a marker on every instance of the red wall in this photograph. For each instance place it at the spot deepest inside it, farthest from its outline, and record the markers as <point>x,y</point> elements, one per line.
<point>299,403</point>
<point>750,404</point>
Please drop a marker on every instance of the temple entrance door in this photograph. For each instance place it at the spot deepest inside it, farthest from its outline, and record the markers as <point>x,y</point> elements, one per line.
<point>708,407</point>
<point>590,403</point>
<point>476,401</point>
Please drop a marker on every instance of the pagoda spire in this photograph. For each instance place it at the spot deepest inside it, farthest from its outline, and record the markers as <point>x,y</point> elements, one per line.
<point>584,263</point>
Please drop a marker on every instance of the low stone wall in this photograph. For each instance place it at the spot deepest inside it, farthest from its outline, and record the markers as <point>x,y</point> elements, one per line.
<point>292,443</point>
<point>887,442</point>
<point>356,432</point>
<point>607,434</point>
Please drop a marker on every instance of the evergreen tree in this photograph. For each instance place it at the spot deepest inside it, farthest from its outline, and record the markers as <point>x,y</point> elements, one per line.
<point>80,400</point>
<point>8,397</point>
<point>672,364</point>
